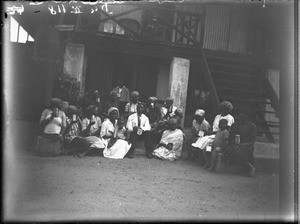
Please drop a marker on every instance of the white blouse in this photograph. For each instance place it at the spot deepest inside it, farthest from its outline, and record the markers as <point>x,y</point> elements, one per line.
<point>55,125</point>
<point>95,127</point>
<point>228,117</point>
<point>107,128</point>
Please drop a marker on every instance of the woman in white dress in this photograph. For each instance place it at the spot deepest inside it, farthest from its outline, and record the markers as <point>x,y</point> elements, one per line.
<point>114,136</point>
<point>170,145</point>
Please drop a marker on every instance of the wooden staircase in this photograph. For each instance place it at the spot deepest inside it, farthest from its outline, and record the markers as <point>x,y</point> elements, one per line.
<point>241,80</point>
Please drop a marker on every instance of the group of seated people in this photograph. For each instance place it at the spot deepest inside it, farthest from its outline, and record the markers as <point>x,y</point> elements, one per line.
<point>230,139</point>
<point>115,135</point>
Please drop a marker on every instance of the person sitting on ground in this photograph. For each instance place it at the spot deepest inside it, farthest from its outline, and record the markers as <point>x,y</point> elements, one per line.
<point>90,138</point>
<point>74,143</point>
<point>171,143</point>
<point>92,123</point>
<point>131,107</point>
<point>200,128</point>
<point>241,143</point>
<point>116,136</point>
<point>168,110</point>
<point>178,115</point>
<point>53,124</point>
<point>123,96</point>
<point>92,97</point>
<point>111,102</point>
<point>73,129</point>
<point>159,129</point>
<point>139,128</point>
<point>218,144</point>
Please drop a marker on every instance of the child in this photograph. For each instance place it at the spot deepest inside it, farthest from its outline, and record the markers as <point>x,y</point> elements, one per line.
<point>121,132</point>
<point>219,142</point>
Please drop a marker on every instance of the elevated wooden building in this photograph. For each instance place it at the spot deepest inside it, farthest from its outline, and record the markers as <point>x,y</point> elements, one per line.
<point>184,49</point>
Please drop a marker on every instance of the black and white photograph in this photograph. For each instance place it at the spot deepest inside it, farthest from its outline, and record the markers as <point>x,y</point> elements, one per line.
<point>150,110</point>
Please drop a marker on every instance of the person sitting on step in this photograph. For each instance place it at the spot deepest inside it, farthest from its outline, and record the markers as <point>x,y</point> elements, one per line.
<point>139,128</point>
<point>200,128</point>
<point>219,142</point>
<point>131,107</point>
<point>241,141</point>
<point>168,110</point>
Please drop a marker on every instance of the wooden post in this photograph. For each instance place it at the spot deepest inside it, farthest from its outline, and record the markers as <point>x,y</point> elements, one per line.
<point>178,82</point>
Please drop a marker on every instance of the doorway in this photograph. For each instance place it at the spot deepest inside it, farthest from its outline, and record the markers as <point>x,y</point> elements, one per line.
<point>138,72</point>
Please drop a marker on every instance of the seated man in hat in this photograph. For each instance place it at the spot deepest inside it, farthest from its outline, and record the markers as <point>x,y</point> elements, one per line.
<point>131,107</point>
<point>139,128</point>
<point>153,113</point>
<point>168,110</point>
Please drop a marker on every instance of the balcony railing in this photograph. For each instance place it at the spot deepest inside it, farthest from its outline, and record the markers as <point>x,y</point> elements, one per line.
<point>140,22</point>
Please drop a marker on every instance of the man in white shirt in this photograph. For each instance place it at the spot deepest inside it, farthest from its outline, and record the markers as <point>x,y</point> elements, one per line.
<point>139,127</point>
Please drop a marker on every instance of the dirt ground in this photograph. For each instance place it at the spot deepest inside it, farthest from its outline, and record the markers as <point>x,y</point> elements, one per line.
<point>97,188</point>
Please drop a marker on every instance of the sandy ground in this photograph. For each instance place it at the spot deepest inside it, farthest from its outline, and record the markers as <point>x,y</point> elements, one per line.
<point>97,188</point>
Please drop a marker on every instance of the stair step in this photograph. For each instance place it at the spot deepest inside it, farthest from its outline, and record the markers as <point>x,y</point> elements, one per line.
<point>269,125</point>
<point>230,61</point>
<point>219,81</point>
<point>267,131</point>
<point>226,54</point>
<point>235,76</point>
<point>243,91</point>
<point>253,110</point>
<point>269,122</point>
<point>227,92</point>
<point>230,98</point>
<point>229,68</point>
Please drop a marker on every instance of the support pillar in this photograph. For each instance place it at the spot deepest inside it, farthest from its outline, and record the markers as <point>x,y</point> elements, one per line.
<point>178,82</point>
<point>74,62</point>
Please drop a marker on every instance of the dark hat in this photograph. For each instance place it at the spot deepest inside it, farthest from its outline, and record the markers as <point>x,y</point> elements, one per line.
<point>72,109</point>
<point>55,102</point>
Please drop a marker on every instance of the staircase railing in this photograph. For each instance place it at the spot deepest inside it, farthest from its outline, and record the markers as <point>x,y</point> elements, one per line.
<point>210,84</point>
<point>269,88</point>
<point>274,99</point>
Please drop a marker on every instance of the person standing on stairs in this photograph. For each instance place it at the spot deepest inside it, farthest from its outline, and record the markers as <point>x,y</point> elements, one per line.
<point>123,96</point>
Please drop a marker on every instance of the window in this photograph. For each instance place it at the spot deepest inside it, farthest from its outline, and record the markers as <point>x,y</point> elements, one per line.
<point>18,33</point>
<point>112,27</point>
<point>108,27</point>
